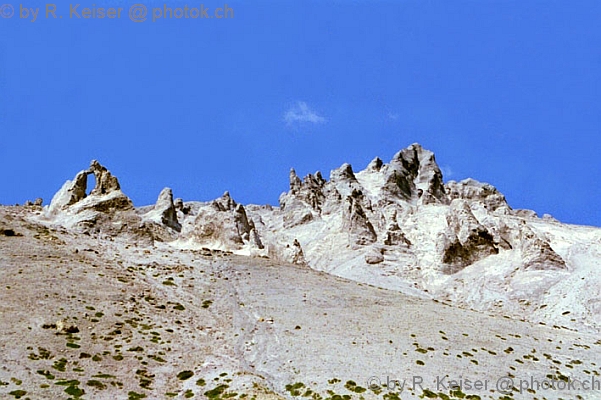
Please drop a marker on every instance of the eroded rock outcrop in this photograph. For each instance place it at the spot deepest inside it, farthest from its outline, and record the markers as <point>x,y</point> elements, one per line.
<point>524,213</point>
<point>537,253</point>
<point>224,203</point>
<point>36,203</point>
<point>305,199</point>
<point>105,181</point>
<point>70,193</point>
<point>470,189</point>
<point>411,178</point>
<point>292,253</point>
<point>467,241</point>
<point>413,175</point>
<point>394,236</point>
<point>164,211</point>
<point>105,209</point>
<point>356,221</point>
<point>368,207</point>
<point>106,196</point>
<point>394,225</point>
<point>225,224</point>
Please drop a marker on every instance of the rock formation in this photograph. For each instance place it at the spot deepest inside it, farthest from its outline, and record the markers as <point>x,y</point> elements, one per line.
<point>226,224</point>
<point>470,189</point>
<point>164,211</point>
<point>356,221</point>
<point>305,199</point>
<point>71,193</point>
<point>468,240</point>
<point>106,209</point>
<point>379,206</point>
<point>292,253</point>
<point>105,196</point>
<point>105,182</point>
<point>36,203</point>
<point>413,175</point>
<point>394,224</point>
<point>537,253</point>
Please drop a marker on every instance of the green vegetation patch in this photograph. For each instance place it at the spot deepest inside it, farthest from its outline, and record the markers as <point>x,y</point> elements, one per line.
<point>45,373</point>
<point>18,393</point>
<point>216,392</point>
<point>182,376</point>
<point>96,384</point>
<point>295,389</point>
<point>60,365</point>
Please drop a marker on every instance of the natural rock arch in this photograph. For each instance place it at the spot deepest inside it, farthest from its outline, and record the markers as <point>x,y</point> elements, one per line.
<point>76,190</point>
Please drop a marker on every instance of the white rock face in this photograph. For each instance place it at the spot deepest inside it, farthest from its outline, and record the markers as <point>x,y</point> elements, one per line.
<point>470,189</point>
<point>71,192</point>
<point>72,208</point>
<point>394,225</point>
<point>467,241</point>
<point>537,253</point>
<point>105,182</point>
<point>222,224</point>
<point>105,195</point>
<point>414,175</point>
<point>164,211</point>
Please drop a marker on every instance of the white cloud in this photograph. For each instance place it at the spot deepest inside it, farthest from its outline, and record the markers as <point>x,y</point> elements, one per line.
<point>393,116</point>
<point>300,113</point>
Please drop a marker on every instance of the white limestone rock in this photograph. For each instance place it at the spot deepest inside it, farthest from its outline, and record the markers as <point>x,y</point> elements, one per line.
<point>164,211</point>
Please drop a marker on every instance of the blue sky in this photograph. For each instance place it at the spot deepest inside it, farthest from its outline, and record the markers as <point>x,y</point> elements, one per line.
<point>506,92</point>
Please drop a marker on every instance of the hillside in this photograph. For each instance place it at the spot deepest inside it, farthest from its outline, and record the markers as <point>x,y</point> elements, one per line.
<point>369,277</point>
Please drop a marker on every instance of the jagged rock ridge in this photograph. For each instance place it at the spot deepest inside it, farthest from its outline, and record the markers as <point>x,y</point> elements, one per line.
<point>396,225</point>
